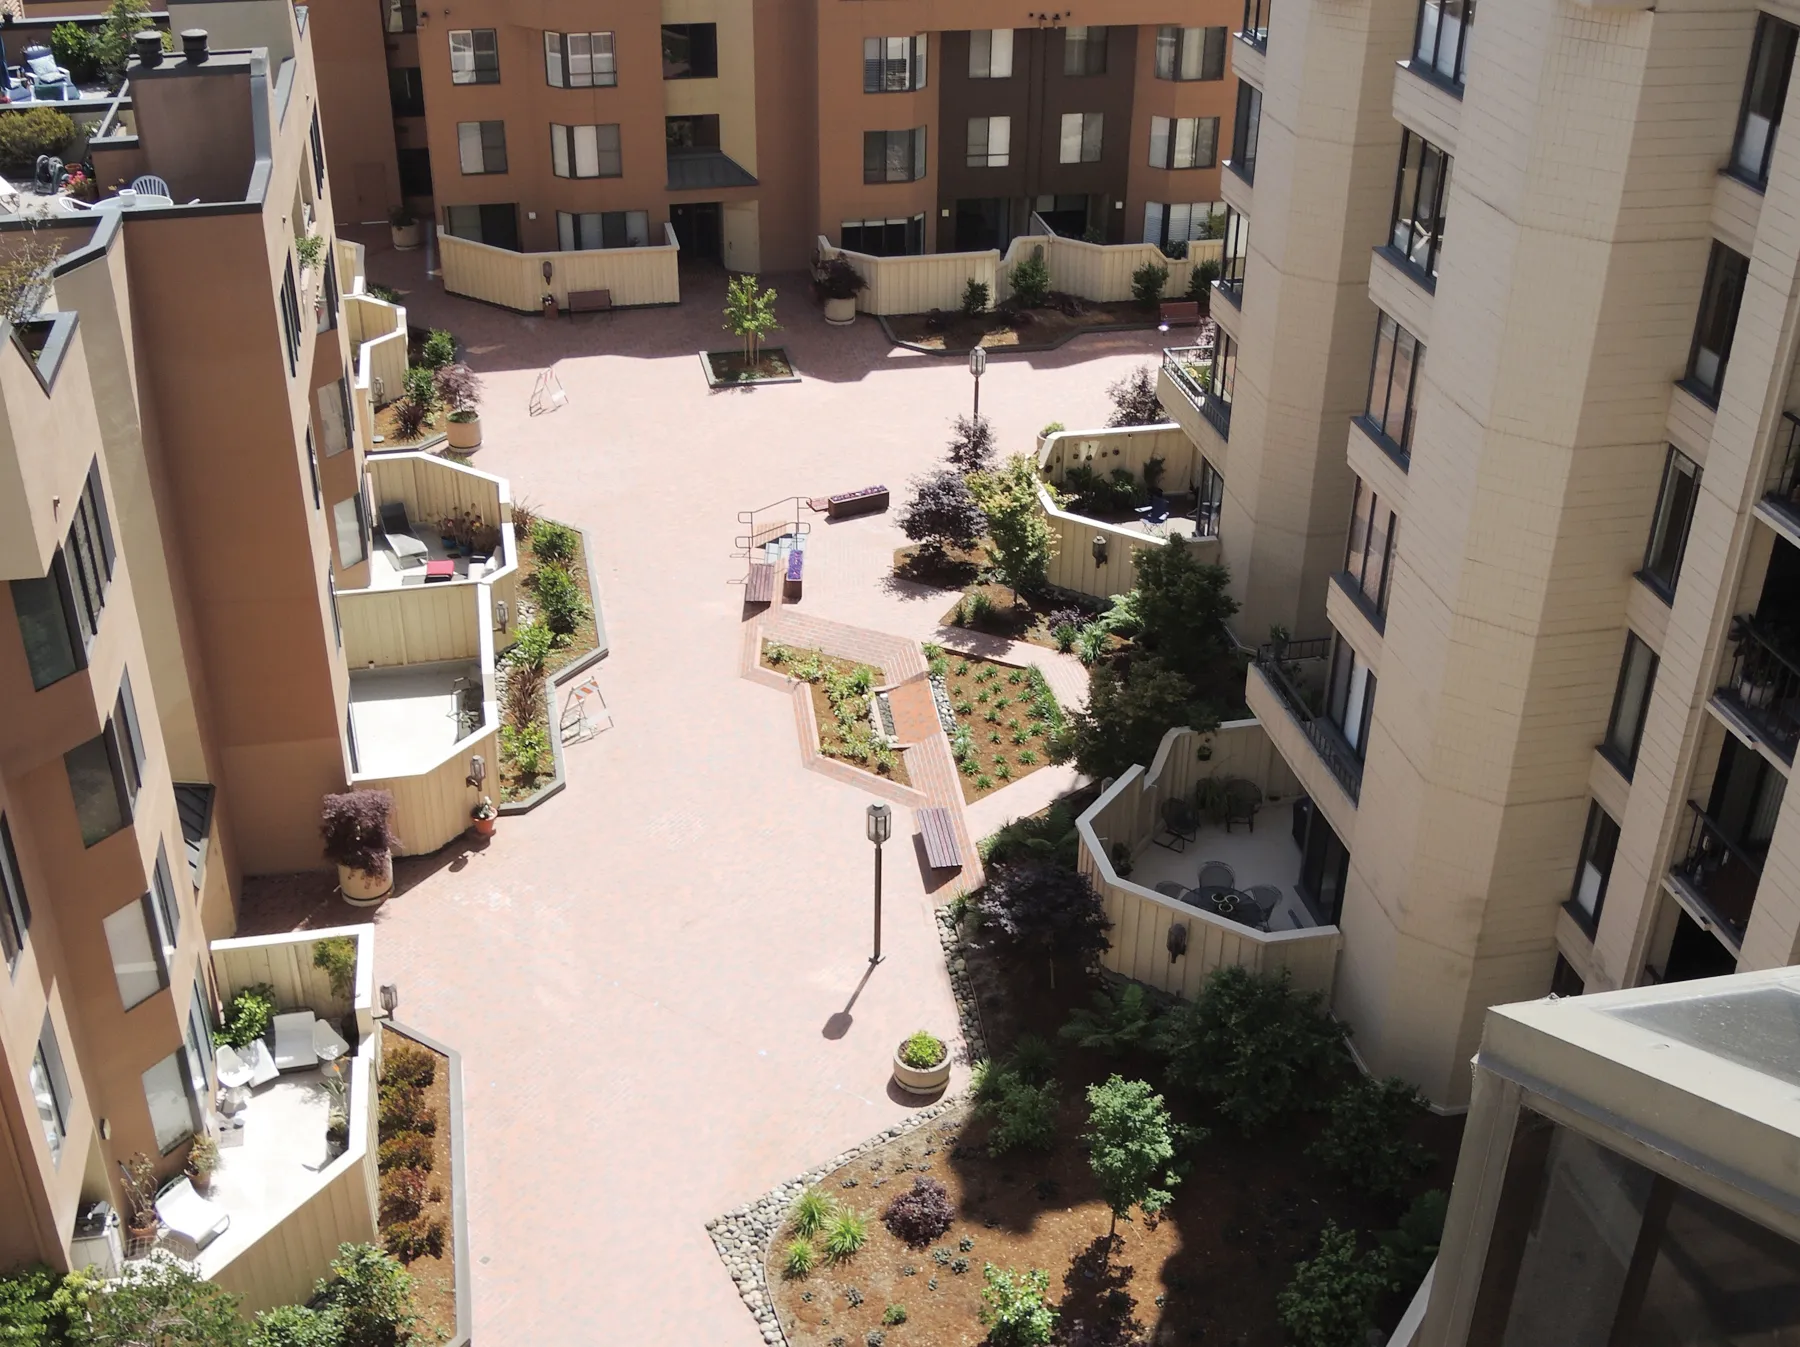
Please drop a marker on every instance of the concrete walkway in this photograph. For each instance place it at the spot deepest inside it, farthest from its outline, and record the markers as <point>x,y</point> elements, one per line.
<point>658,980</point>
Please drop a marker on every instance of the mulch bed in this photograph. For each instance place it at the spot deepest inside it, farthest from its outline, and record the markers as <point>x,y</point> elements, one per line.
<point>387,426</point>
<point>514,784</point>
<point>1043,327</point>
<point>981,685</point>
<point>434,1276</point>
<point>730,367</point>
<point>831,744</point>
<point>1016,617</point>
<point>951,569</point>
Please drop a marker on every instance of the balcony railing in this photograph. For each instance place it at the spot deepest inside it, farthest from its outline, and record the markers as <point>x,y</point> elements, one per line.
<point>1189,367</point>
<point>1256,23</point>
<point>1761,686</point>
<point>1781,492</point>
<point>1327,741</point>
<point>1717,875</point>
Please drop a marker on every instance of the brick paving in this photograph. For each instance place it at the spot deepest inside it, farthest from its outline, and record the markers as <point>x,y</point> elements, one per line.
<point>657,979</point>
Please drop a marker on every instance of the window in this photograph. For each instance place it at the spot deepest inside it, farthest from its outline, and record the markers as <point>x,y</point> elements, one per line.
<point>1170,224</point>
<point>1190,53</point>
<point>139,960</point>
<point>894,156</point>
<point>1368,561</point>
<point>337,621</point>
<point>690,51</point>
<point>990,142</point>
<point>328,308</point>
<point>169,1092</point>
<point>474,56</point>
<point>884,238</point>
<point>1631,703</point>
<point>129,737</point>
<point>1564,980</point>
<point>496,225</point>
<point>580,61</point>
<point>59,615</point>
<point>317,138</point>
<point>1393,387</point>
<point>1420,188</point>
<point>893,65</point>
<point>415,170</point>
<point>106,772</point>
<point>1256,23</point>
<point>1084,51</point>
<point>199,1041</point>
<point>1720,296</point>
<point>347,521</point>
<point>481,147</point>
<point>1234,255</point>
<point>1592,869</point>
<point>312,462</point>
<point>1440,47</point>
<point>333,401</point>
<point>694,132</point>
<point>1669,526</point>
<point>15,911</point>
<point>1350,697</point>
<point>290,316</point>
<point>991,54</point>
<point>602,229</point>
<point>1218,385</point>
<point>1245,130</point>
<point>1184,142</point>
<point>50,1088</point>
<point>1209,499</point>
<point>406,91</point>
<point>165,902</point>
<point>1765,90</point>
<point>402,16</point>
<point>586,151</point>
<point>1080,138</point>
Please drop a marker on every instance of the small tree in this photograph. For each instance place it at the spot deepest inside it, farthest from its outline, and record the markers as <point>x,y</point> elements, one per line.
<point>1147,283</point>
<point>1019,537</point>
<point>1200,283</point>
<point>1366,1143</point>
<point>438,350</point>
<point>749,314</point>
<point>114,43</point>
<point>1015,1307</point>
<point>1131,1148</point>
<point>1134,400</point>
<point>971,444</point>
<point>974,297</point>
<point>1127,715</point>
<point>1031,280</point>
<point>1046,911</point>
<point>942,513</point>
<point>72,48</point>
<point>162,1300</point>
<point>1182,606</point>
<point>1331,1300</point>
<point>25,274</point>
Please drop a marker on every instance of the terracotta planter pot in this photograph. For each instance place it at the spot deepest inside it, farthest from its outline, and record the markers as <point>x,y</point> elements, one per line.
<point>485,826</point>
<point>363,888</point>
<point>406,237</point>
<point>143,1234</point>
<point>464,435</point>
<point>840,312</point>
<point>922,1080</point>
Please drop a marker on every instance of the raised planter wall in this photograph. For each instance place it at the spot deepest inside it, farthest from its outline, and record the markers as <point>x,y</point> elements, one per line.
<point>635,276</point>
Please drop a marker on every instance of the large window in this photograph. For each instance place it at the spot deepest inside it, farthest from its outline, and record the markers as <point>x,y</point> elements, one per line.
<point>991,54</point>
<point>1369,559</point>
<point>1420,188</point>
<point>1080,142</point>
<point>602,229</point>
<point>1245,130</point>
<point>690,51</point>
<point>580,61</point>
<point>1255,31</point>
<point>50,1089</point>
<point>1190,53</point>
<point>1169,224</point>
<point>893,65</point>
<point>1184,142</point>
<point>15,911</point>
<point>990,142</point>
<point>1593,868</point>
<point>586,151</point>
<point>1669,526</point>
<point>495,224</point>
<point>347,522</point>
<point>406,91</point>
<point>169,1090</point>
<point>1084,51</point>
<point>1631,703</point>
<point>140,954</point>
<point>894,156</point>
<point>1350,697</point>
<point>884,238</point>
<point>474,56</point>
<point>59,614</point>
<point>1765,91</point>
<point>481,146</point>
<point>105,772</point>
<point>291,331</point>
<point>1440,45</point>
<point>1720,296</point>
<point>1393,386</point>
<point>1234,255</point>
<point>335,416</point>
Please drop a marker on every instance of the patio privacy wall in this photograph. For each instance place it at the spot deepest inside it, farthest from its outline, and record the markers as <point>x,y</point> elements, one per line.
<point>285,962</point>
<point>1072,564</point>
<point>1099,272</point>
<point>377,333</point>
<point>1127,447</point>
<point>1129,812</point>
<point>512,280</point>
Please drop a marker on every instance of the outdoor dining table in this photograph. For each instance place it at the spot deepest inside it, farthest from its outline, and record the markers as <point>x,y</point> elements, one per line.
<point>1232,904</point>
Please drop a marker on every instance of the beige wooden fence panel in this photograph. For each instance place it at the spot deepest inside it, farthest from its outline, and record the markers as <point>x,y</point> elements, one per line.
<point>916,283</point>
<point>414,624</point>
<point>285,962</point>
<point>431,488</point>
<point>1072,564</point>
<point>1130,448</point>
<point>635,276</point>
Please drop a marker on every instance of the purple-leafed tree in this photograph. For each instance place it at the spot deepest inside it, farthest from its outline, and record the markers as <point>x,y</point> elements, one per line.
<point>942,513</point>
<point>1047,911</point>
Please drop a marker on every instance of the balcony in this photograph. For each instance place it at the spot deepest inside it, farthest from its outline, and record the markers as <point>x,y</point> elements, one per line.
<point>1255,32</point>
<point>1780,505</point>
<point>1760,692</point>
<point>1715,877</point>
<point>1280,669</point>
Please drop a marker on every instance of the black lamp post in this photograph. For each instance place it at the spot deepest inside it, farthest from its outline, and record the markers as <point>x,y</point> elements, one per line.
<point>881,824</point>
<point>978,367</point>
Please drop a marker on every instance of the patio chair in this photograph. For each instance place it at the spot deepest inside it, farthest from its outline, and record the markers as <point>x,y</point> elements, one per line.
<point>1180,823</point>
<point>1242,800</point>
<point>1265,898</point>
<point>1216,875</point>
<point>241,1067</point>
<point>294,1041</point>
<point>328,1044</point>
<point>1168,888</point>
<point>407,549</point>
<point>149,184</point>
<point>1156,514</point>
<point>186,1213</point>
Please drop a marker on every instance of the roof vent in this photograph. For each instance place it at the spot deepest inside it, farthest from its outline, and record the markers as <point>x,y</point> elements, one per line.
<point>193,44</point>
<point>149,47</point>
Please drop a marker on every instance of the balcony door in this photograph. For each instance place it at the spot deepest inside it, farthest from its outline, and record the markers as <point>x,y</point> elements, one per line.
<point>1746,798</point>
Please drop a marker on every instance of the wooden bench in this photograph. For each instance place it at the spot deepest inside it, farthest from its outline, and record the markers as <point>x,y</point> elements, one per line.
<point>591,301</point>
<point>796,567</point>
<point>760,587</point>
<point>942,850</point>
<point>869,500</point>
<point>1174,313</point>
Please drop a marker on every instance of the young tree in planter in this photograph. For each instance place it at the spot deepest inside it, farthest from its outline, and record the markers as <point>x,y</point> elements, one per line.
<point>1181,607</point>
<point>1331,1300</point>
<point>1046,911</point>
<point>749,314</point>
<point>114,43</point>
<point>971,445</point>
<point>357,828</point>
<point>1134,400</point>
<point>942,514</point>
<point>1131,1148</point>
<point>1019,537</point>
<point>458,389</point>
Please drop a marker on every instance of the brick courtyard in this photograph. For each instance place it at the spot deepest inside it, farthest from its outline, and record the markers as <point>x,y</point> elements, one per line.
<point>654,978</point>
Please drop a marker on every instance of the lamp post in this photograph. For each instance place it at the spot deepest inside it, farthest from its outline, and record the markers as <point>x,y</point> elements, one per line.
<point>978,367</point>
<point>881,823</point>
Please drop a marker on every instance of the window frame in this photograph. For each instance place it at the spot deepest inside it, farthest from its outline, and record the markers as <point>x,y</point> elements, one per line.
<point>1085,56</point>
<point>1430,177</point>
<point>290,316</point>
<point>406,90</point>
<point>687,32</point>
<point>989,157</point>
<point>1768,37</point>
<point>564,76</point>
<point>1246,131</point>
<point>1379,561</point>
<point>1088,141</point>
<point>992,40</point>
<point>1344,694</point>
<point>1593,837</point>
<point>15,906</point>
<point>48,1060</point>
<point>1170,139</point>
<point>915,144</point>
<point>1234,256</point>
<point>572,237</point>
<point>1727,272</point>
<point>1659,524</point>
<point>566,150</point>
<point>1429,66</point>
<point>1377,427</point>
<point>482,63</point>
<point>177,1063</point>
<point>912,232</point>
<point>878,70</point>
<point>1625,759</point>
<point>489,143</point>
<point>1171,40</point>
<point>406,12</point>
<point>140,920</point>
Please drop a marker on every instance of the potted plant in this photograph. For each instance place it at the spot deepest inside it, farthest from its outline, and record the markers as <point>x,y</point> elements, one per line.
<point>1047,432</point>
<point>404,226</point>
<point>203,1158</point>
<point>337,1119</point>
<point>460,391</point>
<point>357,828</point>
<point>837,285</point>
<point>484,815</point>
<point>922,1064</point>
<point>138,1180</point>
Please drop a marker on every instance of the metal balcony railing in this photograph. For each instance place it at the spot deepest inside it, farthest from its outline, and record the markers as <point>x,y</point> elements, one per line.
<point>1781,490</point>
<point>1272,660</point>
<point>1717,875</point>
<point>1189,367</point>
<point>1761,684</point>
<point>1256,23</point>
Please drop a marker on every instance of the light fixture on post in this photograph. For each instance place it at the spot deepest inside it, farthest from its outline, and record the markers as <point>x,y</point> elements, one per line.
<point>881,825</point>
<point>390,998</point>
<point>978,367</point>
<point>1100,546</point>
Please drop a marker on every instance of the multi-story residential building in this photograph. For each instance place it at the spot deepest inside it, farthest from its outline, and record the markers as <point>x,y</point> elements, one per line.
<point>1503,406</point>
<point>755,128</point>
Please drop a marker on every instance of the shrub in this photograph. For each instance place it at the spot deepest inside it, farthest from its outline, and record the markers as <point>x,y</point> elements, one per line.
<point>457,388</point>
<point>247,1017</point>
<point>893,1314</point>
<point>403,1193</point>
<point>417,1238</point>
<point>73,48</point>
<point>403,1109</point>
<point>531,650</point>
<point>357,829</point>
<point>296,1326</point>
<point>837,279</point>
<point>559,599</point>
<point>420,386</point>
<point>386,293</point>
<point>1052,428</point>
<point>1121,1019</point>
<point>971,444</point>
<point>922,1050</point>
<point>1253,1045</point>
<point>527,747</point>
<point>1412,1246</point>
<point>552,543</point>
<point>1031,280</point>
<point>27,1313</point>
<point>799,1259</point>
<point>371,1294</point>
<point>977,608</point>
<point>407,1150</point>
<point>1127,714</point>
<point>1024,1113</point>
<point>1131,1147</point>
<point>1200,282</point>
<point>310,249</point>
<point>1147,283</point>
<point>975,297</point>
<point>845,1233</point>
<point>160,1299</point>
<point>1045,911</point>
<point>1019,537</point>
<point>942,514</point>
<point>812,1212</point>
<point>1366,1143</point>
<point>1015,1307</point>
<point>115,41</point>
<point>27,134</point>
<point>1134,400</point>
<point>410,417</point>
<point>336,955</point>
<point>920,1214</point>
<point>1330,1302</point>
<point>438,349</point>
<point>1033,1058</point>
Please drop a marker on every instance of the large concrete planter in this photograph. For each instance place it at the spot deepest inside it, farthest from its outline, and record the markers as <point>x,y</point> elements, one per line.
<point>363,888</point>
<point>922,1080</point>
<point>463,436</point>
<point>406,237</point>
<point>840,312</point>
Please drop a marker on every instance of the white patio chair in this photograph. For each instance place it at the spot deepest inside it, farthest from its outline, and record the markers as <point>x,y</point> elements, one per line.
<point>189,1215</point>
<point>294,1041</point>
<point>150,184</point>
<point>250,1066</point>
<point>328,1044</point>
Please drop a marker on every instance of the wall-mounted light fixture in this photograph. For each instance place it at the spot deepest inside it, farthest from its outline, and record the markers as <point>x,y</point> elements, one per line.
<point>1099,546</point>
<point>477,771</point>
<point>1177,940</point>
<point>389,996</point>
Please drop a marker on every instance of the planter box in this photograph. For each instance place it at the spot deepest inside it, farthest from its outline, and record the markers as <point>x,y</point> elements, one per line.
<point>463,436</point>
<point>406,237</point>
<point>840,312</point>
<point>922,1080</point>
<point>869,500</point>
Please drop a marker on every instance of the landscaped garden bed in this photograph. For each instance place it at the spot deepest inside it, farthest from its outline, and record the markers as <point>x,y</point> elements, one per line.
<point>841,698</point>
<point>996,329</point>
<point>557,626</point>
<point>416,1179</point>
<point>1004,719</point>
<point>725,369</point>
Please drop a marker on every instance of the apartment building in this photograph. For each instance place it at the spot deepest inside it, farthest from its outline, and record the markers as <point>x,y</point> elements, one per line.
<point>754,127</point>
<point>173,443</point>
<point>1503,406</point>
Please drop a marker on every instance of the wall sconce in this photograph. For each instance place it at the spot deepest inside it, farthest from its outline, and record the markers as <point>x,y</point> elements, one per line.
<point>1099,546</point>
<point>390,998</point>
<point>1177,941</point>
<point>477,771</point>
<point>548,270</point>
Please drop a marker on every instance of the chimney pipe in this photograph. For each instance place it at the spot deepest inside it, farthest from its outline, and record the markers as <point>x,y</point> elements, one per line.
<point>193,44</point>
<point>149,47</point>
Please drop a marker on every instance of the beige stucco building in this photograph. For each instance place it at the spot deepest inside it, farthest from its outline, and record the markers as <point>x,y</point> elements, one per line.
<point>1502,407</point>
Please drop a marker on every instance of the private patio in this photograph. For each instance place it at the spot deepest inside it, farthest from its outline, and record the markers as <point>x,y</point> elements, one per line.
<point>406,719</point>
<point>1266,856</point>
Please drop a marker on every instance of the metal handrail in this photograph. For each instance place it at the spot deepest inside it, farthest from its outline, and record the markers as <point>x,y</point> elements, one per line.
<point>1703,856</point>
<point>1326,739</point>
<point>1761,682</point>
<point>1175,362</point>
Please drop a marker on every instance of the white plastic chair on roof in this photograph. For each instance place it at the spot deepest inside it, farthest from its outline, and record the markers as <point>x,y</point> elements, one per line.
<point>150,184</point>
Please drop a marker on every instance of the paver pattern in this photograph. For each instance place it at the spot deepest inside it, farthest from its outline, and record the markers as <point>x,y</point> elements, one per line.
<point>659,980</point>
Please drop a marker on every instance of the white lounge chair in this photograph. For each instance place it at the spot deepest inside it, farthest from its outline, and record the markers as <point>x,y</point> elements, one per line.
<point>294,1041</point>
<point>328,1044</point>
<point>251,1066</point>
<point>189,1215</point>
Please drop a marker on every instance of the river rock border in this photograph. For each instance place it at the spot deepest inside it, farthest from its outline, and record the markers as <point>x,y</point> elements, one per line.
<point>741,1236</point>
